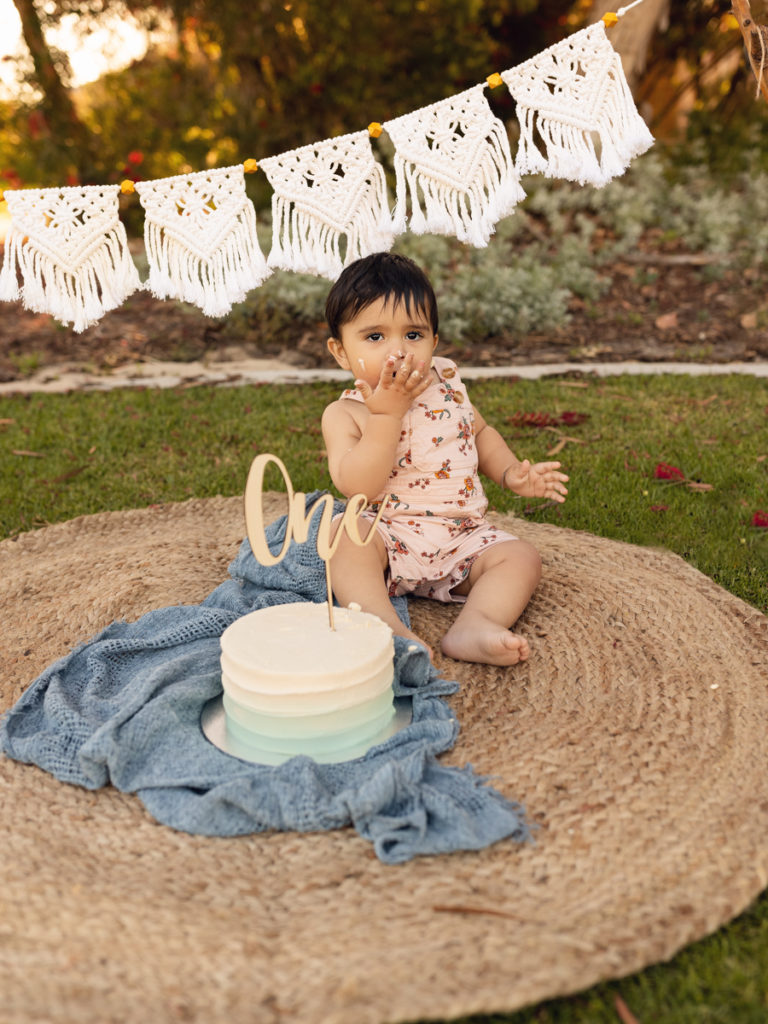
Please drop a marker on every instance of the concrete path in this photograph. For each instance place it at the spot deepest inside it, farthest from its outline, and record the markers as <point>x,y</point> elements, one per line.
<point>263,371</point>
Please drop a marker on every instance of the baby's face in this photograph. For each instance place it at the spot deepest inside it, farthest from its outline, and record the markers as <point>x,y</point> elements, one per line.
<point>381,330</point>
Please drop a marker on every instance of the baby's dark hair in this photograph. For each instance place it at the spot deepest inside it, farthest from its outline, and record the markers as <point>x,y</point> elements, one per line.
<point>382,275</point>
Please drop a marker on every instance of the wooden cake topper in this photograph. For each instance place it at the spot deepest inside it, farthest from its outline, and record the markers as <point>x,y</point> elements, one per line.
<point>299,520</point>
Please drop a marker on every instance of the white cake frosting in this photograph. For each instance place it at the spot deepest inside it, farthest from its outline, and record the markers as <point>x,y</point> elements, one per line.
<point>292,685</point>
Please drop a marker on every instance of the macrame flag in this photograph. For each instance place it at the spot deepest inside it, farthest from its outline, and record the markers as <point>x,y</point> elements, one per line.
<point>323,193</point>
<point>71,249</point>
<point>200,237</point>
<point>567,93</point>
<point>456,154</point>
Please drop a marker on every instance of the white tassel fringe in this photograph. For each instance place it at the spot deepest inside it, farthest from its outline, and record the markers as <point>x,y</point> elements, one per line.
<point>324,194</point>
<point>571,95</point>
<point>453,166</point>
<point>74,269</point>
<point>201,241</point>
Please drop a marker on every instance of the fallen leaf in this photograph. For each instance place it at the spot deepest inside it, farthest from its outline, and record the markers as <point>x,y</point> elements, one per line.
<point>68,475</point>
<point>664,471</point>
<point>748,321</point>
<point>694,485</point>
<point>6,422</point>
<point>659,508</point>
<point>22,451</point>
<point>558,447</point>
<point>625,1014</point>
<point>463,908</point>
<point>666,321</point>
<point>565,437</point>
<point>573,419</point>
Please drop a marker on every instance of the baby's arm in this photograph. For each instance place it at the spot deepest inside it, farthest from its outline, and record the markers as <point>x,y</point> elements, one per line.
<point>497,461</point>
<point>361,443</point>
<point>360,455</point>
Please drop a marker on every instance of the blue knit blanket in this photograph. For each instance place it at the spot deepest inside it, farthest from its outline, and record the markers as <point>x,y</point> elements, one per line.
<point>125,707</point>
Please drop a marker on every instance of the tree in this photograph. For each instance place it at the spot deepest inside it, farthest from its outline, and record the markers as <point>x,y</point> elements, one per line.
<point>755,43</point>
<point>62,121</point>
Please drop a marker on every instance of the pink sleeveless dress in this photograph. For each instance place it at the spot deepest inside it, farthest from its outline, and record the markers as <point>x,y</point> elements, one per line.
<point>434,526</point>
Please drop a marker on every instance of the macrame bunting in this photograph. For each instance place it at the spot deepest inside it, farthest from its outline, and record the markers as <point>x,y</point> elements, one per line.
<point>200,237</point>
<point>455,175</point>
<point>454,155</point>
<point>565,94</point>
<point>323,193</point>
<point>71,250</point>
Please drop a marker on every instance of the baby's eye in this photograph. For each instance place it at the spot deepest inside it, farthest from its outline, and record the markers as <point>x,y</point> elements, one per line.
<point>374,336</point>
<point>414,336</point>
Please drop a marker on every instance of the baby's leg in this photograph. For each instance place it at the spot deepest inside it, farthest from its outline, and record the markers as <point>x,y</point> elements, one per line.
<point>357,574</point>
<point>498,588</point>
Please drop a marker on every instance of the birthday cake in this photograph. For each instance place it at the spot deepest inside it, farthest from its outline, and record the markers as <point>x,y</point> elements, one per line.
<point>292,685</point>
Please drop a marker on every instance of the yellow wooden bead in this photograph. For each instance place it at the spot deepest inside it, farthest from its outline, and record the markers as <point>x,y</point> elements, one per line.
<point>250,166</point>
<point>495,80</point>
<point>609,19</point>
<point>127,186</point>
<point>375,129</point>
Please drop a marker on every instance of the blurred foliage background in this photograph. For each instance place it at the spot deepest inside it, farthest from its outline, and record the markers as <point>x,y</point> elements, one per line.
<point>232,81</point>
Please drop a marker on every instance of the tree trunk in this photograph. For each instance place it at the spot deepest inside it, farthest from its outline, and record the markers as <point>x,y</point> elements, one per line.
<point>755,43</point>
<point>632,36</point>
<point>67,130</point>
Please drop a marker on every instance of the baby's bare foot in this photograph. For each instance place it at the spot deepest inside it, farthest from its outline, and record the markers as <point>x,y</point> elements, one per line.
<point>484,641</point>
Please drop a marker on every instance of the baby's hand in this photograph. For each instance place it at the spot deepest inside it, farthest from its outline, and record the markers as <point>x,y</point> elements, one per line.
<point>398,386</point>
<point>540,480</point>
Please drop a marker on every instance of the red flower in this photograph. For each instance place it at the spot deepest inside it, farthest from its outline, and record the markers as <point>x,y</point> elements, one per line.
<point>35,124</point>
<point>135,157</point>
<point>664,471</point>
<point>760,519</point>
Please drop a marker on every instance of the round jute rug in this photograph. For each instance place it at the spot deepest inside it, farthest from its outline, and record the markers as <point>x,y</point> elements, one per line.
<point>635,736</point>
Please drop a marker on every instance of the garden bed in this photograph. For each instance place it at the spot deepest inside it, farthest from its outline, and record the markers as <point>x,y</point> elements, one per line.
<point>652,311</point>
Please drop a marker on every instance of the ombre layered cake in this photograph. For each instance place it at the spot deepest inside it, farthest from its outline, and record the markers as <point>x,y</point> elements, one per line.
<point>292,685</point>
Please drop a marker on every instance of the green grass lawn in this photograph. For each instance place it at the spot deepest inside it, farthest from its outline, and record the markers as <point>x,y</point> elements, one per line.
<point>62,456</point>
<point>66,455</point>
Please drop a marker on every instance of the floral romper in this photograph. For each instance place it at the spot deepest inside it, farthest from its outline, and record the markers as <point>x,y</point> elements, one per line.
<point>434,525</point>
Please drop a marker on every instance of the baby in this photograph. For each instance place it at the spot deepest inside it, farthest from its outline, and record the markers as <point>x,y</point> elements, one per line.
<point>408,435</point>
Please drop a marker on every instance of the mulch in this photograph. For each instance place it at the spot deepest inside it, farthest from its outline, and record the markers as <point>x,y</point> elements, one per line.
<point>660,307</point>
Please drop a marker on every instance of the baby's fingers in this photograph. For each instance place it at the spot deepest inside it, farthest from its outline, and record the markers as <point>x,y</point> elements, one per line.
<point>557,492</point>
<point>387,372</point>
<point>550,469</point>
<point>418,379</point>
<point>393,375</point>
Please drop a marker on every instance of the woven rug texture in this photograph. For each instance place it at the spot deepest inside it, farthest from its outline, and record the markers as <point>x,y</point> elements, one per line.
<point>635,737</point>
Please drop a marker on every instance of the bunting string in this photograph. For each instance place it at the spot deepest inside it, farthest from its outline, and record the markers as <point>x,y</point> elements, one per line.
<point>454,173</point>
